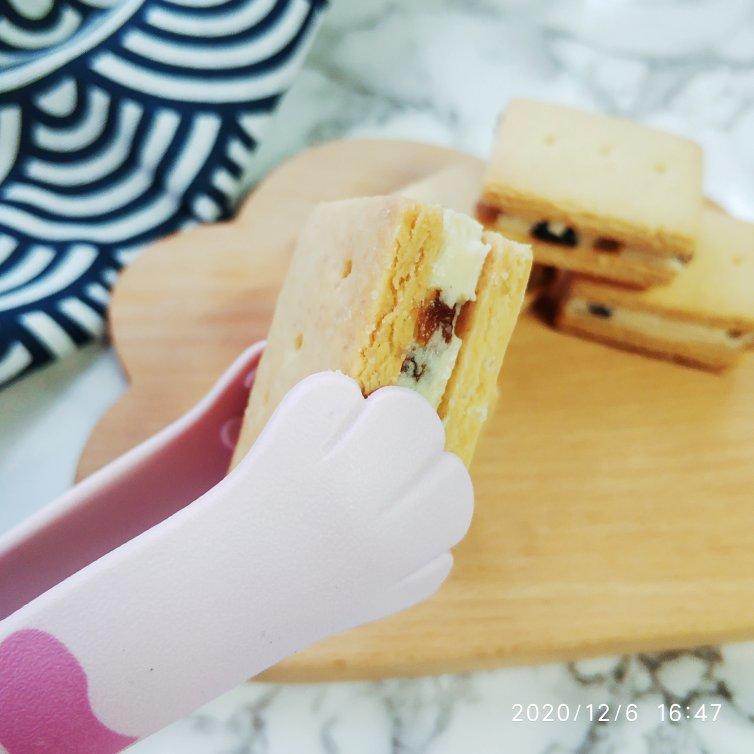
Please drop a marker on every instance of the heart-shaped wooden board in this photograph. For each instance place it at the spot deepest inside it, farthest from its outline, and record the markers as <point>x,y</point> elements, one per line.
<point>614,493</point>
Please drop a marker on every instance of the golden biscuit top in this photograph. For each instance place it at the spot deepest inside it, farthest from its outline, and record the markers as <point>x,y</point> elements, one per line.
<point>602,174</point>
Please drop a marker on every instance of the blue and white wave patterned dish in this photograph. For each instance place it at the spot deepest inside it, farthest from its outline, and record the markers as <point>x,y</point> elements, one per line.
<point>122,121</point>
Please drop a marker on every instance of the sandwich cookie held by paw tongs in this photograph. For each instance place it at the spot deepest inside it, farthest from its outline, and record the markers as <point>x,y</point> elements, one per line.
<point>392,290</point>
<point>158,582</point>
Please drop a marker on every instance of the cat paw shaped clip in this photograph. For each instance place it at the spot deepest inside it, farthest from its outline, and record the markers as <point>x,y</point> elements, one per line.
<point>158,582</point>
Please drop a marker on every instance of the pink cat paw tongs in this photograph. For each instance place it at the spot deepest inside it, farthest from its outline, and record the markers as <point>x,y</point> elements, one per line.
<point>158,582</point>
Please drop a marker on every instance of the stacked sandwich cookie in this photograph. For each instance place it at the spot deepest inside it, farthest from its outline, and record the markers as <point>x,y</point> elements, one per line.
<point>395,291</point>
<point>704,317</point>
<point>595,195</point>
<point>619,208</point>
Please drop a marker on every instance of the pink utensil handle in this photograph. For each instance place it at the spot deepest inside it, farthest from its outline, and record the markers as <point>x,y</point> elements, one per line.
<point>127,607</point>
<point>133,493</point>
<point>136,491</point>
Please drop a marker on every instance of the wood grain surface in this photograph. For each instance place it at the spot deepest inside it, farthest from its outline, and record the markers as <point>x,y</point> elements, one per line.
<point>614,493</point>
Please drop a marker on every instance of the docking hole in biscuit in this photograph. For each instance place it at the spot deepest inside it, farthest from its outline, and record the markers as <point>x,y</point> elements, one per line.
<point>298,341</point>
<point>346,271</point>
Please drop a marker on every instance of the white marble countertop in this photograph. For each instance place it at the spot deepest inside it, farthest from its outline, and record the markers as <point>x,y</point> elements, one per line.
<point>440,71</point>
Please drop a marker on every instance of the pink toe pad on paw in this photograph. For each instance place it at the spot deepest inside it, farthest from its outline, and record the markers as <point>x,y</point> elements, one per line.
<point>44,701</point>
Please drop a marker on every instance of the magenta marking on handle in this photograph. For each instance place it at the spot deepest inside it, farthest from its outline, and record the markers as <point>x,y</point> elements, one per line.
<point>45,702</point>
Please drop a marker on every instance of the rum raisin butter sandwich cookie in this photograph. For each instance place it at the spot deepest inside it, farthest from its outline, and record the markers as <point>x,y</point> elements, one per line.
<point>594,194</point>
<point>705,316</point>
<point>392,291</point>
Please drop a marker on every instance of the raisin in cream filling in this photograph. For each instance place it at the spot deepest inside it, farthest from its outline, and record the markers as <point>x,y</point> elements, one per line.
<point>431,358</point>
<point>559,234</point>
<point>655,325</point>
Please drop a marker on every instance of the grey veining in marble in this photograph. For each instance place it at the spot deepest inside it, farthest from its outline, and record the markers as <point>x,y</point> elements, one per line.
<point>441,71</point>
<point>474,712</point>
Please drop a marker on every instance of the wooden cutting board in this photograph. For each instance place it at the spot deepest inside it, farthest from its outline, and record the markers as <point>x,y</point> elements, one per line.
<point>614,493</point>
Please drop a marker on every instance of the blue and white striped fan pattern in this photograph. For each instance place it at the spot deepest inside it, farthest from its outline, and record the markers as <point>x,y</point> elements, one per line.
<point>122,121</point>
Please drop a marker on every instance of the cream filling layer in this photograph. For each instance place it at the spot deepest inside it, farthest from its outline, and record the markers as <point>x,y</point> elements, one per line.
<point>456,271</point>
<point>521,227</point>
<point>427,369</point>
<point>455,274</point>
<point>650,324</point>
